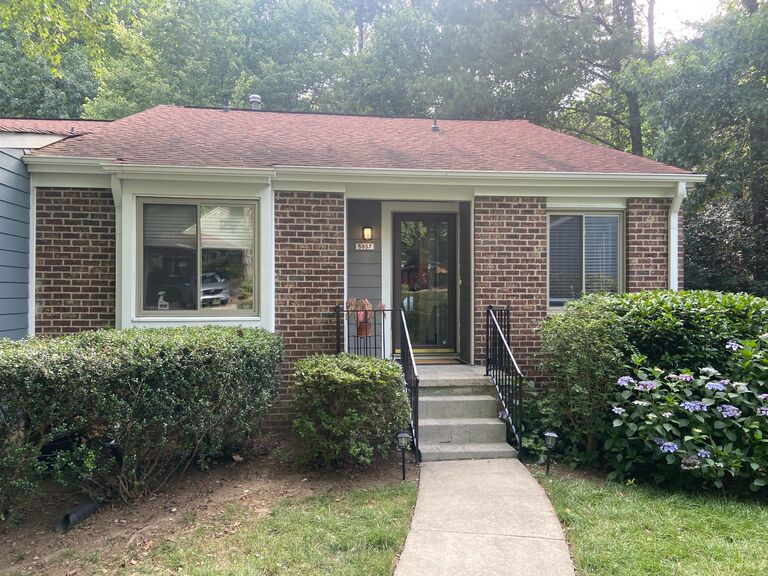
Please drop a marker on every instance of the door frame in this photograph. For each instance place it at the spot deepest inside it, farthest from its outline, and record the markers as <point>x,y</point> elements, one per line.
<point>452,345</point>
<point>388,210</point>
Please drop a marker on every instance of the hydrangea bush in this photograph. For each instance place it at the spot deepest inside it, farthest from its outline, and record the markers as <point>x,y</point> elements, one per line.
<point>694,428</point>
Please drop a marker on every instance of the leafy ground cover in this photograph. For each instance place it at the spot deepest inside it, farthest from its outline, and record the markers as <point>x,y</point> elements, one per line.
<point>631,530</point>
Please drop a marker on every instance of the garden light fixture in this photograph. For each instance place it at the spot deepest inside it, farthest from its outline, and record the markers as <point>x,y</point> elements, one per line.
<point>367,233</point>
<point>403,441</point>
<point>550,440</point>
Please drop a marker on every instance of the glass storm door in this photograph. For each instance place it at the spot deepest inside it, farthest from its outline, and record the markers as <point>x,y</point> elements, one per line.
<point>425,279</point>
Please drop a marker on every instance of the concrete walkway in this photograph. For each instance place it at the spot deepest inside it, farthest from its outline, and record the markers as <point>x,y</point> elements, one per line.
<point>477,517</point>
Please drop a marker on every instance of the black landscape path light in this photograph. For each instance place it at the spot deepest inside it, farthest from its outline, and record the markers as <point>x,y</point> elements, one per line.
<point>403,441</point>
<point>550,440</point>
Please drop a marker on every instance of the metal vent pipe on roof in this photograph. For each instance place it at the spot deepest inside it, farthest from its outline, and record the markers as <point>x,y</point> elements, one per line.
<point>255,101</point>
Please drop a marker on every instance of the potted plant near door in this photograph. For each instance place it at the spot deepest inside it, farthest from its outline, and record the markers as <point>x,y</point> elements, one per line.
<point>364,313</point>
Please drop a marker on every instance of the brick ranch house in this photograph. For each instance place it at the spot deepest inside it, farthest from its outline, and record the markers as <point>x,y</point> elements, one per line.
<point>186,216</point>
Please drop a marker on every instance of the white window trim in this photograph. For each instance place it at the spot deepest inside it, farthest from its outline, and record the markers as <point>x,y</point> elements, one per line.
<point>127,192</point>
<point>621,253</point>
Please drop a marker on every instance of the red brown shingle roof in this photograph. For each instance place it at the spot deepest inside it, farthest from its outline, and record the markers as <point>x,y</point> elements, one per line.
<point>65,127</point>
<point>177,136</point>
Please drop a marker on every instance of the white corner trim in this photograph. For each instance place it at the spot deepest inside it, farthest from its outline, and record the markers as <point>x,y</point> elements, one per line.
<point>674,233</point>
<point>31,300</point>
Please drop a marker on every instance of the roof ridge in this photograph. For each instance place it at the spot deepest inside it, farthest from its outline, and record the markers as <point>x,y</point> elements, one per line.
<point>344,114</point>
<point>44,119</point>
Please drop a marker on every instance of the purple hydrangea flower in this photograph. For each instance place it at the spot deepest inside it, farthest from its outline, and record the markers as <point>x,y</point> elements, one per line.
<point>618,410</point>
<point>762,397</point>
<point>762,411</point>
<point>733,346</point>
<point>646,385</point>
<point>704,453</point>
<point>686,377</point>
<point>625,381</point>
<point>729,411</point>
<point>693,406</point>
<point>668,447</point>
<point>667,414</point>
<point>716,386</point>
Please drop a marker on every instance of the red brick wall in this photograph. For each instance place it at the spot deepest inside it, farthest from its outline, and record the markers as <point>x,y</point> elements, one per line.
<point>75,260</point>
<point>309,280</point>
<point>511,268</point>
<point>647,240</point>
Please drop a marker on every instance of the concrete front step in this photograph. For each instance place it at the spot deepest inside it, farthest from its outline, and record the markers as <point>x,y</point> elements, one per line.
<point>457,406</point>
<point>475,451</point>
<point>461,430</point>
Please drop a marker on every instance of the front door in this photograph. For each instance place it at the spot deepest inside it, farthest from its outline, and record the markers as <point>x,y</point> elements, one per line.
<point>425,279</point>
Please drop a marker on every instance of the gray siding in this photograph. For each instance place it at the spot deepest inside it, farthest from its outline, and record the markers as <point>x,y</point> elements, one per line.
<point>364,267</point>
<point>14,244</point>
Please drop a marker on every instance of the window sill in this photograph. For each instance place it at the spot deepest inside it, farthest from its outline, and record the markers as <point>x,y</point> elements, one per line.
<point>196,319</point>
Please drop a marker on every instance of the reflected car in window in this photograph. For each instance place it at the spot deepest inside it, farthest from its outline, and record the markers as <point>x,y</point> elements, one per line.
<point>214,289</point>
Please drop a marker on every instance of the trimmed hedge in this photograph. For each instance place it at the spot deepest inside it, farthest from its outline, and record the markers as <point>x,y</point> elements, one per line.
<point>348,408</point>
<point>117,412</point>
<point>686,329</point>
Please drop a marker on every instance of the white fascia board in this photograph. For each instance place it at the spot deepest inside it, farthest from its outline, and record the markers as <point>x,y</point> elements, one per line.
<point>298,177</point>
<point>196,173</point>
<point>65,164</point>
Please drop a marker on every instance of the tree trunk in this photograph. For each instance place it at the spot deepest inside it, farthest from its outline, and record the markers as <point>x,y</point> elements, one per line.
<point>625,9</point>
<point>650,52</point>
<point>635,123</point>
<point>758,189</point>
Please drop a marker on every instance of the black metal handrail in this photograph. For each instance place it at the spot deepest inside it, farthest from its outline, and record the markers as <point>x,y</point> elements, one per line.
<point>501,366</point>
<point>411,374</point>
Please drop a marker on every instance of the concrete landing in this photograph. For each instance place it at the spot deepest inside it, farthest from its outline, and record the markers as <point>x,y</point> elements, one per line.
<point>478,517</point>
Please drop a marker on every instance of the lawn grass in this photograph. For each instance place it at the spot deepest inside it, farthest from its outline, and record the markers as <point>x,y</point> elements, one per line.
<point>340,533</point>
<point>626,530</point>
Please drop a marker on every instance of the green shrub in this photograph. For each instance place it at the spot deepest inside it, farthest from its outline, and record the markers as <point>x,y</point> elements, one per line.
<point>348,408</point>
<point>127,408</point>
<point>699,428</point>
<point>687,329</point>
<point>582,352</point>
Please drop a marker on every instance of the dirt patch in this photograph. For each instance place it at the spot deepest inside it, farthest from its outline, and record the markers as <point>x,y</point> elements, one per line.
<point>120,535</point>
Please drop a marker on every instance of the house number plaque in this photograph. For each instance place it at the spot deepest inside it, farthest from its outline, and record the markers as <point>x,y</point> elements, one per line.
<point>364,246</point>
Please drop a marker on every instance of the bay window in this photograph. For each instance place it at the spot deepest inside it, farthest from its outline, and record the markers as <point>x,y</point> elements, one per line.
<point>584,255</point>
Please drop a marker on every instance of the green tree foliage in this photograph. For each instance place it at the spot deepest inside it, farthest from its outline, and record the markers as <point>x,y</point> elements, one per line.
<point>200,53</point>
<point>48,28</point>
<point>708,103</point>
<point>28,86</point>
